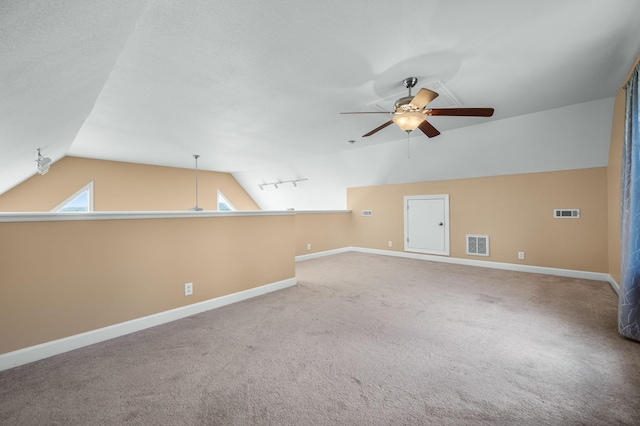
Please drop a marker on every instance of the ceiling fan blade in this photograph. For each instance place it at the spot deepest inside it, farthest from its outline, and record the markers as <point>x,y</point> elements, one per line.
<point>461,112</point>
<point>423,97</point>
<point>367,112</point>
<point>428,129</point>
<point>388,123</point>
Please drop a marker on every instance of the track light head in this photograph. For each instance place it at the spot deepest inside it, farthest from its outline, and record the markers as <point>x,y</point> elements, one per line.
<point>42,163</point>
<point>280,182</point>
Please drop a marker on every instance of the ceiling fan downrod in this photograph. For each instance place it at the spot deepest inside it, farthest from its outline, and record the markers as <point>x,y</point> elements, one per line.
<point>196,208</point>
<point>409,83</point>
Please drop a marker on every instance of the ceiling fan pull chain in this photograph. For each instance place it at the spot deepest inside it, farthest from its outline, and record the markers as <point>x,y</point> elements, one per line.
<point>408,146</point>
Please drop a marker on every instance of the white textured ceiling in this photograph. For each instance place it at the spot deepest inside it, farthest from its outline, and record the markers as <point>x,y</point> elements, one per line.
<point>255,87</point>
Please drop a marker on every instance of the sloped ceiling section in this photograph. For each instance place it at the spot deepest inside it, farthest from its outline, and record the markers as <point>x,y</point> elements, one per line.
<point>255,87</point>
<point>55,60</point>
<point>574,137</point>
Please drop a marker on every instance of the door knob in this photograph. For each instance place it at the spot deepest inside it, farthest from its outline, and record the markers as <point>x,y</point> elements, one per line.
<point>440,224</point>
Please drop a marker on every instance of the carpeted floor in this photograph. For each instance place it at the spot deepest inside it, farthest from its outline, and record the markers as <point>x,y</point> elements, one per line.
<point>361,340</point>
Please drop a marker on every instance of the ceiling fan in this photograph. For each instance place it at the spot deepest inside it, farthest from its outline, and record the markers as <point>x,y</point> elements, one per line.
<point>410,112</point>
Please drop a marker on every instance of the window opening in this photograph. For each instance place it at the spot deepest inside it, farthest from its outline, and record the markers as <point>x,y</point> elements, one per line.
<point>223,204</point>
<point>80,202</point>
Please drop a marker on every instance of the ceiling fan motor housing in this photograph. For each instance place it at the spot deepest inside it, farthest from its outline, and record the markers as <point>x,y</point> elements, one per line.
<point>404,105</point>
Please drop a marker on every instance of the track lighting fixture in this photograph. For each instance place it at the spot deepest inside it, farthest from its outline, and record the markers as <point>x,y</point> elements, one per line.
<point>42,163</point>
<point>280,182</point>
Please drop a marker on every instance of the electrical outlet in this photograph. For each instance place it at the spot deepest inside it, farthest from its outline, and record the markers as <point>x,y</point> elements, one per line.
<point>521,255</point>
<point>390,244</point>
<point>308,246</point>
<point>188,289</point>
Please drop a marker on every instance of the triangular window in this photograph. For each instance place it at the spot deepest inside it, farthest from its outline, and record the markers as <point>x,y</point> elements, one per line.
<point>223,204</point>
<point>80,202</point>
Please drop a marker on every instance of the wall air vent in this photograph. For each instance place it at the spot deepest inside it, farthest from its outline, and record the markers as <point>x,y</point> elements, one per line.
<point>566,213</point>
<point>366,212</point>
<point>478,245</point>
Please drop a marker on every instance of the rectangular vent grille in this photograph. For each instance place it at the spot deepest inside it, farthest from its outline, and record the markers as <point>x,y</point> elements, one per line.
<point>566,213</point>
<point>367,212</point>
<point>478,245</point>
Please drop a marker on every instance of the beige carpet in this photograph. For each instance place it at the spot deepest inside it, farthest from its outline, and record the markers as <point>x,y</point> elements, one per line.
<point>361,340</point>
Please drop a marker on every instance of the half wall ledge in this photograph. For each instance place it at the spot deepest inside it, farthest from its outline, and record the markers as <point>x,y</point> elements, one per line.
<point>52,217</point>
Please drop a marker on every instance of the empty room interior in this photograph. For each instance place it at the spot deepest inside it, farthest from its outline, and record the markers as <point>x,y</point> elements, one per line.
<point>291,213</point>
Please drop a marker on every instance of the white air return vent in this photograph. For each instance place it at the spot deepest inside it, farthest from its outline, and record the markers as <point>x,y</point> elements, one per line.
<point>478,245</point>
<point>566,213</point>
<point>366,212</point>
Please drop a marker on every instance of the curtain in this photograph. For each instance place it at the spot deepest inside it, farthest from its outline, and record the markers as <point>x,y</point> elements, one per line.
<point>629,298</point>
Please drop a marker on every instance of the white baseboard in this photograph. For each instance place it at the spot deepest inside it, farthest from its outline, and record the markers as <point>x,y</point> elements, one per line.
<point>322,254</point>
<point>597,276</point>
<point>45,350</point>
<point>614,285</point>
<point>571,273</point>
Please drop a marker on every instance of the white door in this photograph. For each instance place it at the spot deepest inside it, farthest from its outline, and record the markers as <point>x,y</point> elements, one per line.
<point>426,224</point>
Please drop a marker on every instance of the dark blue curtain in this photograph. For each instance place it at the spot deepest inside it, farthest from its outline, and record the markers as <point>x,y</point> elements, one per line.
<point>629,301</point>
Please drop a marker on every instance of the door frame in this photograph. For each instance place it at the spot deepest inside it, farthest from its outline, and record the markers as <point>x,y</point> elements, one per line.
<point>444,197</point>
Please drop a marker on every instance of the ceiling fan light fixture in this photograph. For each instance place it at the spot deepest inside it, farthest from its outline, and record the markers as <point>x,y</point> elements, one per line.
<point>409,121</point>
<point>410,111</point>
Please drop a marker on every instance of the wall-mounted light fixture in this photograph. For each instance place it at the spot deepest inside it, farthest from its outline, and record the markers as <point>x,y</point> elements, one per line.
<point>280,182</point>
<point>43,163</point>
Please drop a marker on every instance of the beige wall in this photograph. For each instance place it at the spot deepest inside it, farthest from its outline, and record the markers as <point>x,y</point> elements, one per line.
<point>124,187</point>
<point>614,169</point>
<point>516,211</point>
<point>324,231</point>
<point>64,278</point>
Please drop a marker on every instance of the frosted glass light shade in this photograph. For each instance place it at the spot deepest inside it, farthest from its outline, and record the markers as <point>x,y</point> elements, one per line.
<point>409,121</point>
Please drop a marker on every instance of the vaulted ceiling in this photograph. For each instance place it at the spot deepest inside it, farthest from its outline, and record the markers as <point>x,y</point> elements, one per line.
<point>255,88</point>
